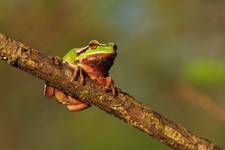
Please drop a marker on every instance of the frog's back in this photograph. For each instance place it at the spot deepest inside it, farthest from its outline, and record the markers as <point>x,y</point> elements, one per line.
<point>71,56</point>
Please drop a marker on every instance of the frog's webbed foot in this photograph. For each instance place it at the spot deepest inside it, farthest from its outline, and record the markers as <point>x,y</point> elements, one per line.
<point>49,91</point>
<point>110,85</point>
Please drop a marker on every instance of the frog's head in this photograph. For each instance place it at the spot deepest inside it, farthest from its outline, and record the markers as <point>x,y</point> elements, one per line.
<point>97,55</point>
<point>95,48</point>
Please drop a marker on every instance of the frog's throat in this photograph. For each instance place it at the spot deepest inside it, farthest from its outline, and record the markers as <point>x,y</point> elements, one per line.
<point>98,64</point>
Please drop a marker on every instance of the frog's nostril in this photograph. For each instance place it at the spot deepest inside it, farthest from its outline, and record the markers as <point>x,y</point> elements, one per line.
<point>115,47</point>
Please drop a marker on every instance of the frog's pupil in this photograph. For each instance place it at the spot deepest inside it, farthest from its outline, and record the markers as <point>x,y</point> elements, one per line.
<point>93,45</point>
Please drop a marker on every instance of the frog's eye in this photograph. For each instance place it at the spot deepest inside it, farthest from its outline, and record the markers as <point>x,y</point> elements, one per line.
<point>93,44</point>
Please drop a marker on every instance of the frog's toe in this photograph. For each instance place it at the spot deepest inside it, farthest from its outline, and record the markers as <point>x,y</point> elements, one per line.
<point>57,60</point>
<point>49,91</point>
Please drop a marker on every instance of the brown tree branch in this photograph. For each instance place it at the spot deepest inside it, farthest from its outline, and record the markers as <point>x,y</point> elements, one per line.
<point>122,106</point>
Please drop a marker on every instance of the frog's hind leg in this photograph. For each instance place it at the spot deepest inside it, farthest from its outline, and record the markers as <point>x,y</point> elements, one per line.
<point>71,103</point>
<point>75,69</point>
<point>49,91</point>
<point>82,81</point>
<point>78,106</point>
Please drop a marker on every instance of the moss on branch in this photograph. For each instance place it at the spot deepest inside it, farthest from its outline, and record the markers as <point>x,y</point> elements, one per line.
<point>122,106</point>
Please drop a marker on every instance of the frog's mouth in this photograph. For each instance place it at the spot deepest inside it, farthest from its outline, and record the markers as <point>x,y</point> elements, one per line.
<point>101,61</point>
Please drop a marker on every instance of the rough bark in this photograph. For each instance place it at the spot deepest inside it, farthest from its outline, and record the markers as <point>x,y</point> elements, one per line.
<point>122,106</point>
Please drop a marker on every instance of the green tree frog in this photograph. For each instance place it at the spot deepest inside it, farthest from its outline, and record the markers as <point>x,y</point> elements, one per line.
<point>95,60</point>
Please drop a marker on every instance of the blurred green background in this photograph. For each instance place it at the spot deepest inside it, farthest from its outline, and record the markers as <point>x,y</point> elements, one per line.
<point>170,57</point>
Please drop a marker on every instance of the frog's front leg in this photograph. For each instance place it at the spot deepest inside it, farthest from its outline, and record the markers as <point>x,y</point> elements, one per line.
<point>108,84</point>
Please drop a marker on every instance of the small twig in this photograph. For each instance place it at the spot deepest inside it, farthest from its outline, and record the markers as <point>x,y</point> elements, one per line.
<point>191,95</point>
<point>122,106</point>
